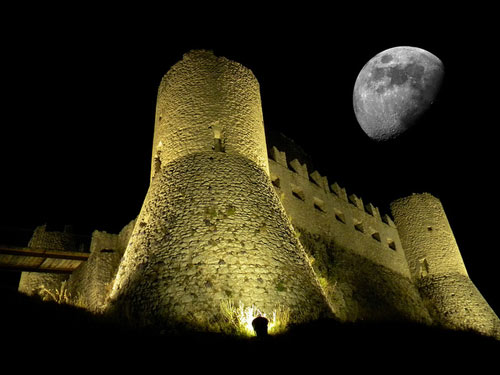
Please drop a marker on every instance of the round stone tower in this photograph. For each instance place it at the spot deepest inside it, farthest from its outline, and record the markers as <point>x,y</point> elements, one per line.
<point>437,267</point>
<point>212,229</point>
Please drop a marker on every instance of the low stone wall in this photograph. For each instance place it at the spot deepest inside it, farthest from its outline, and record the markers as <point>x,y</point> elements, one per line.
<point>90,284</point>
<point>47,285</point>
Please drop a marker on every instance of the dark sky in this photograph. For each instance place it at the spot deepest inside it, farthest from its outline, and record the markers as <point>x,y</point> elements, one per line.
<point>81,90</point>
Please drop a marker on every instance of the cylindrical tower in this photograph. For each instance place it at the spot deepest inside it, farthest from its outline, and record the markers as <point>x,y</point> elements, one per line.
<point>208,103</point>
<point>212,229</point>
<point>437,266</point>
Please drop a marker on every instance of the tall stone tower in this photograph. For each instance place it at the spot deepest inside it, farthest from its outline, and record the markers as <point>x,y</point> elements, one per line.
<point>211,228</point>
<point>437,267</point>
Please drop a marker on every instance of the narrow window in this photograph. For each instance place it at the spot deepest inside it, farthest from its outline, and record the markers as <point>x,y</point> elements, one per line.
<point>423,267</point>
<point>218,138</point>
<point>298,193</point>
<point>275,181</point>
<point>359,226</point>
<point>340,216</point>
<point>319,205</point>
<point>157,163</point>
<point>376,236</point>
<point>392,244</point>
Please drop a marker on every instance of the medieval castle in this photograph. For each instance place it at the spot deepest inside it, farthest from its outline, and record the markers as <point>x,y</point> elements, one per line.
<point>232,229</point>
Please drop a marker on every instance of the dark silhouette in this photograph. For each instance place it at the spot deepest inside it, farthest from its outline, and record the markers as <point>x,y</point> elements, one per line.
<point>259,325</point>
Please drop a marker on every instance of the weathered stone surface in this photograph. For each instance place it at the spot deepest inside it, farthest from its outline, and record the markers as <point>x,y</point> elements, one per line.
<point>437,266</point>
<point>211,210</point>
<point>285,277</point>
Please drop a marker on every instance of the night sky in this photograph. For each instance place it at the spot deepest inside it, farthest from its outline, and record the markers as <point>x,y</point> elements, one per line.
<point>78,120</point>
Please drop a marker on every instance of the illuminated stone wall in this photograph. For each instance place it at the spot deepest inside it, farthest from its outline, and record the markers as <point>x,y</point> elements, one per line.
<point>212,228</point>
<point>356,252</point>
<point>437,266</point>
<point>45,284</point>
<point>318,208</point>
<point>90,284</point>
<point>208,106</point>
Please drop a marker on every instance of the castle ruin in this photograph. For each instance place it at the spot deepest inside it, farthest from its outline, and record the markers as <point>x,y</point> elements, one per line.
<point>229,221</point>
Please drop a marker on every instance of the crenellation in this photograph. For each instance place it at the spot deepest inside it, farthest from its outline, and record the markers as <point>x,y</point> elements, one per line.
<point>321,191</point>
<point>300,169</point>
<point>330,213</point>
<point>321,181</point>
<point>388,220</point>
<point>355,201</point>
<point>339,191</point>
<point>278,156</point>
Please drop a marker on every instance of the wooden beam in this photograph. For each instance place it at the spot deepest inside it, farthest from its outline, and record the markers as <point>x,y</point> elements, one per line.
<point>43,253</point>
<point>40,260</point>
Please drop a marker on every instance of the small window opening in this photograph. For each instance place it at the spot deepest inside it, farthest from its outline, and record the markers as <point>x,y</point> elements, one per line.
<point>319,205</point>
<point>376,236</point>
<point>218,138</point>
<point>107,251</point>
<point>340,216</point>
<point>275,181</point>
<point>298,193</point>
<point>392,244</point>
<point>359,227</point>
<point>157,164</point>
<point>218,146</point>
<point>423,267</point>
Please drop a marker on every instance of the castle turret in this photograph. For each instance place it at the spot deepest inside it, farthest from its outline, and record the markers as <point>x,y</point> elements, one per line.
<point>437,267</point>
<point>212,230</point>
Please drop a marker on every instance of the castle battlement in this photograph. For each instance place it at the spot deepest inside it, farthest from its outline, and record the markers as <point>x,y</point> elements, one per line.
<point>322,181</point>
<point>320,208</point>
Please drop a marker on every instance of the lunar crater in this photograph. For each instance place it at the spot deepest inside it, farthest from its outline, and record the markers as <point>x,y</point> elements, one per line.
<point>394,89</point>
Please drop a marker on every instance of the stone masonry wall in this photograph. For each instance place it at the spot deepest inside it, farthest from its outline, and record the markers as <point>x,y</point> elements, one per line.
<point>207,102</point>
<point>46,284</point>
<point>90,284</point>
<point>438,268</point>
<point>355,252</point>
<point>320,209</point>
<point>211,230</point>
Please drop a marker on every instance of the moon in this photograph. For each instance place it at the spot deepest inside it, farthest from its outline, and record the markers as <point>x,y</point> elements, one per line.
<point>394,89</point>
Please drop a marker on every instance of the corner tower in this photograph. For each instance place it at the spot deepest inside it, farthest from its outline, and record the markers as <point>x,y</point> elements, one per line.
<point>437,267</point>
<point>211,228</point>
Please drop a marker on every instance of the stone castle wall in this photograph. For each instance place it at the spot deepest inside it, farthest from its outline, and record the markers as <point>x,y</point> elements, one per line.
<point>90,284</point>
<point>214,231</point>
<point>213,105</point>
<point>47,284</point>
<point>212,228</point>
<point>356,252</point>
<point>437,266</point>
<point>318,208</point>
